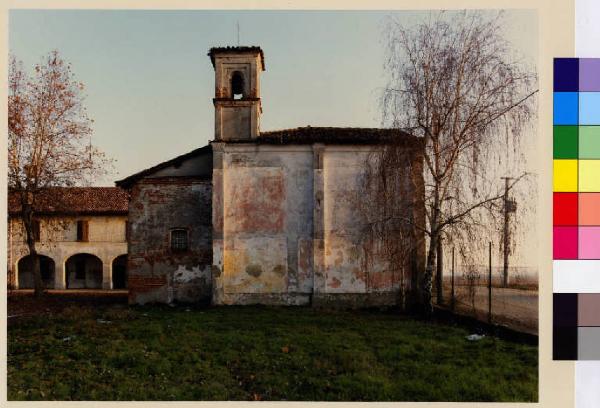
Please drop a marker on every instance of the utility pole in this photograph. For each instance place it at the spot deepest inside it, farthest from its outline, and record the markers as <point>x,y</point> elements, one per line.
<point>509,206</point>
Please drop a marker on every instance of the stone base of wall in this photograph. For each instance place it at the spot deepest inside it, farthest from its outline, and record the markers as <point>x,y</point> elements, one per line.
<point>321,300</point>
<point>193,293</point>
<point>355,300</point>
<point>148,296</point>
<point>148,289</point>
<point>273,299</point>
<point>156,290</point>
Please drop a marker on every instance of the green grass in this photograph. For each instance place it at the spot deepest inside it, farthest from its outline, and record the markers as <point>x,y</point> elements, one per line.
<point>247,353</point>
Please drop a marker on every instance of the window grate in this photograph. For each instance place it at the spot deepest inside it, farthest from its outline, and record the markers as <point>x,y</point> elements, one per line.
<point>179,240</point>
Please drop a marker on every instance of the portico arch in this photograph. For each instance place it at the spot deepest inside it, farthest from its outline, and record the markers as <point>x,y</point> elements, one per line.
<point>25,272</point>
<point>84,271</point>
<point>119,272</point>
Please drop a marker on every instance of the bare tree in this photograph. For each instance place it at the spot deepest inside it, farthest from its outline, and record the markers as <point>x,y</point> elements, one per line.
<point>392,235</point>
<point>457,85</point>
<point>48,139</point>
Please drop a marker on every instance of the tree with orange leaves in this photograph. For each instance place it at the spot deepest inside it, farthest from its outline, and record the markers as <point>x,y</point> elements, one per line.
<point>49,141</point>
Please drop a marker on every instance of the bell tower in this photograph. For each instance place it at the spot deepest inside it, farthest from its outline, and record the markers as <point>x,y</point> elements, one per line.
<point>237,92</point>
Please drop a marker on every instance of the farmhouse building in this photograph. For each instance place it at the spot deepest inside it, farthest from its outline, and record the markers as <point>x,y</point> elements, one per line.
<point>80,235</point>
<point>271,217</point>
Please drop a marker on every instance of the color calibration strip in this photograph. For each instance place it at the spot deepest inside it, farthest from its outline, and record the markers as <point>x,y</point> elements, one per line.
<point>576,201</point>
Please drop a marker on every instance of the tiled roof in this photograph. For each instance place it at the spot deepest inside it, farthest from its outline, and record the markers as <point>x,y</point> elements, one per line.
<point>75,200</point>
<point>338,135</point>
<point>302,135</point>
<point>236,50</point>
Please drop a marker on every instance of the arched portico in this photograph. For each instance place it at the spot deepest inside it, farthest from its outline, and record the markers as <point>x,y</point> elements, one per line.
<point>25,272</point>
<point>83,271</point>
<point>119,272</point>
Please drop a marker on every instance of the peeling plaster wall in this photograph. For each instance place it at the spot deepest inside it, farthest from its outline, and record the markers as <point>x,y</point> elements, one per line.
<point>288,227</point>
<point>356,271</point>
<point>156,273</point>
<point>343,222</point>
<point>277,224</point>
<point>348,268</point>
<point>262,224</point>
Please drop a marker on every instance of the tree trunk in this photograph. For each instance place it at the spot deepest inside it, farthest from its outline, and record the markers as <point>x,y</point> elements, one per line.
<point>38,285</point>
<point>439,278</point>
<point>37,274</point>
<point>426,283</point>
<point>506,234</point>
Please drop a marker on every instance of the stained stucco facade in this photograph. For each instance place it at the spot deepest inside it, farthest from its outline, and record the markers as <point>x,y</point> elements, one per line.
<point>289,227</point>
<point>272,217</point>
<point>70,261</point>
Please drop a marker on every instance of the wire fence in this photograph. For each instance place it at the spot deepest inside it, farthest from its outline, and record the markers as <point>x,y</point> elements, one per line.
<point>514,308</point>
<point>478,292</point>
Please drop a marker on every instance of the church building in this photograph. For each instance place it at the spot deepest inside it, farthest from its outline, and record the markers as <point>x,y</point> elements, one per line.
<point>266,217</point>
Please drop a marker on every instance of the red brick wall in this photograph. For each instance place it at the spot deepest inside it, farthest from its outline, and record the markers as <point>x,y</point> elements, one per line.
<point>156,273</point>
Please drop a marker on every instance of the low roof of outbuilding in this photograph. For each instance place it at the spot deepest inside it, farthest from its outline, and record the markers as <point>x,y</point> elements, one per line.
<point>129,181</point>
<point>74,201</point>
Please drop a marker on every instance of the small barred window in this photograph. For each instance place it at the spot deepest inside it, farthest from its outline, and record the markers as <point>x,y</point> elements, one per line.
<point>179,240</point>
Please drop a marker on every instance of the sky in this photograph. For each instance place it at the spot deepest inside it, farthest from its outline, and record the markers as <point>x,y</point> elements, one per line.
<point>150,84</point>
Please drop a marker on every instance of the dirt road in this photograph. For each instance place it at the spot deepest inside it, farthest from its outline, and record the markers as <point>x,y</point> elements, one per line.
<point>514,308</point>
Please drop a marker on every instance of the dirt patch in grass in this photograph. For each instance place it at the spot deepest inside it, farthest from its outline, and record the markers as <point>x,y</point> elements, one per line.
<point>114,352</point>
<point>22,304</point>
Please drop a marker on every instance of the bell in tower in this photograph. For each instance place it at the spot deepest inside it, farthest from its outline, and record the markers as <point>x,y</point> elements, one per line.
<point>237,92</point>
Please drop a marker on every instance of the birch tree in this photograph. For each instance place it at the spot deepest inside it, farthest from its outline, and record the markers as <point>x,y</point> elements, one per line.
<point>48,139</point>
<point>457,84</point>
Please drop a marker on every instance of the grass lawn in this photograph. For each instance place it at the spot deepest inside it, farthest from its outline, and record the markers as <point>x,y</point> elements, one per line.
<point>112,352</point>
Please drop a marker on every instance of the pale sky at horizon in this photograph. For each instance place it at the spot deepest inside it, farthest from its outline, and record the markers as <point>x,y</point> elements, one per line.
<point>149,82</point>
